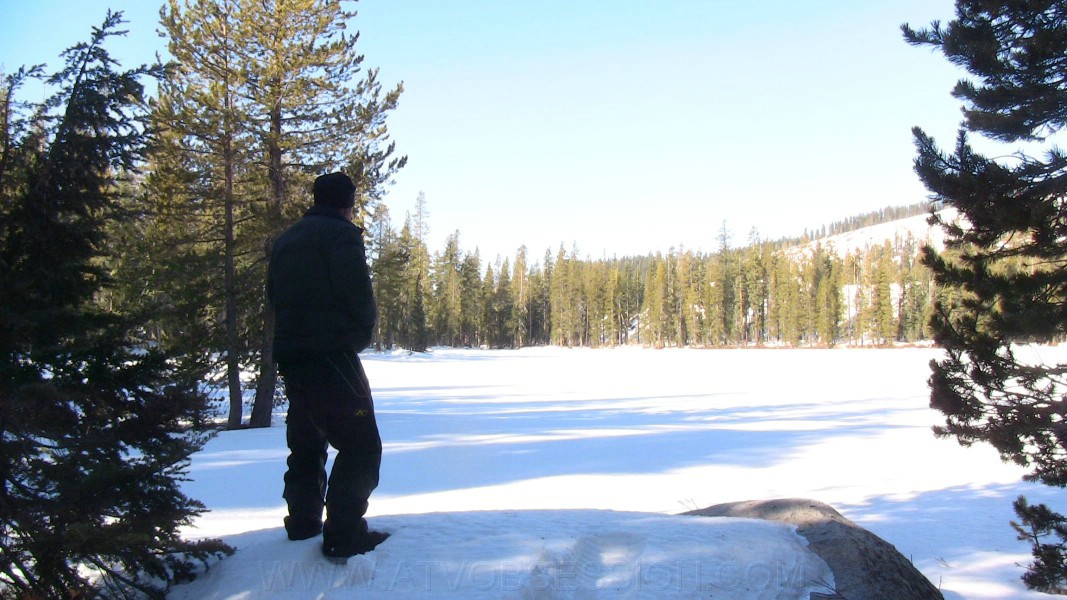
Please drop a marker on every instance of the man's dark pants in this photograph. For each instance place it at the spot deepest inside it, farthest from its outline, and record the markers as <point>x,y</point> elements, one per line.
<point>330,403</point>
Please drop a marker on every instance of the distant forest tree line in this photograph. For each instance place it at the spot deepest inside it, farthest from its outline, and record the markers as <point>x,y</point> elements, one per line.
<point>793,293</point>
<point>869,219</point>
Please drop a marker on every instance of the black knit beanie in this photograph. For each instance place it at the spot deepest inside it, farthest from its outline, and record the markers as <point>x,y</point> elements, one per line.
<point>335,190</point>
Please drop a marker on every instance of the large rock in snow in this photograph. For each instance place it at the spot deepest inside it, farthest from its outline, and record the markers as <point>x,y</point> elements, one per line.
<point>864,565</point>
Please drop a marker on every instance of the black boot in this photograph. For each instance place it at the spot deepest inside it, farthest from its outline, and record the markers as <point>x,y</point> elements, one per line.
<point>302,529</point>
<point>339,545</point>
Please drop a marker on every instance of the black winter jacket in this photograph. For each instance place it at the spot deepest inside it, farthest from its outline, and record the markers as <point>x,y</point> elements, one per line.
<point>319,284</point>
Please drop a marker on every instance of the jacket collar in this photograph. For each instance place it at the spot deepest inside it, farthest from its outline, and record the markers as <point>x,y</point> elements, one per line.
<point>324,211</point>
<point>329,212</point>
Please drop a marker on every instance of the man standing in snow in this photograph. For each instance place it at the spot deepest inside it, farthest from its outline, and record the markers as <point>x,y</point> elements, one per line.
<point>319,285</point>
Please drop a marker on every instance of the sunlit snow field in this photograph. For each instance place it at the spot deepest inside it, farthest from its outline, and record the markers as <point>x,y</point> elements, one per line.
<point>520,435</point>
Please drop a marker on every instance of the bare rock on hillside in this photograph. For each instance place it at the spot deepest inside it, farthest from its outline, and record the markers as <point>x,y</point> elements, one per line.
<point>864,565</point>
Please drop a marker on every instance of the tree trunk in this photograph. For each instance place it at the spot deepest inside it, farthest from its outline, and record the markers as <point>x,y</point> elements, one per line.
<point>263,407</point>
<point>268,372</point>
<point>267,382</point>
<point>233,336</point>
<point>233,364</point>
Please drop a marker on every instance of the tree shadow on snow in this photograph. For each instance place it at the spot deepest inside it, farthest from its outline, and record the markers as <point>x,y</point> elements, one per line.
<point>486,444</point>
<point>972,526</point>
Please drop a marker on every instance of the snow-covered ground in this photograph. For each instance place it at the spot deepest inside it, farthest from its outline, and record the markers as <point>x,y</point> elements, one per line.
<point>555,473</point>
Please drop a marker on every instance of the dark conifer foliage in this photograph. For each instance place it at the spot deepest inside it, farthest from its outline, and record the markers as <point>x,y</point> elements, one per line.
<point>1005,258</point>
<point>94,428</point>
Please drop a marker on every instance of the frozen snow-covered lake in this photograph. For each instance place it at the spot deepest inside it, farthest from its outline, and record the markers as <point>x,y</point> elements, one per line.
<point>654,431</point>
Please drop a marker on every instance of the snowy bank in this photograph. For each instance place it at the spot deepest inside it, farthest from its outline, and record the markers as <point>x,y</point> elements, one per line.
<point>531,554</point>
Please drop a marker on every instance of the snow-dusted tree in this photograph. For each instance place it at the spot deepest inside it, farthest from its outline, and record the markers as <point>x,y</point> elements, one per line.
<point>95,427</point>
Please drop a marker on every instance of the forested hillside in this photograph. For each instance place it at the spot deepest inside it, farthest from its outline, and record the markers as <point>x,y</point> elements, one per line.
<point>888,214</point>
<point>862,286</point>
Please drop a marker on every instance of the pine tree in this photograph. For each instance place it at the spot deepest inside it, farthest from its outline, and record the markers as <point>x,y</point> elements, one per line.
<point>502,308</point>
<point>774,305</point>
<point>915,289</point>
<point>810,273</point>
<point>830,300</point>
<point>540,302</point>
<point>755,282</point>
<point>1011,211</point>
<point>726,287</point>
<point>614,327</point>
<point>695,321</point>
<point>578,300</point>
<point>521,294</point>
<point>388,263</point>
<point>713,302</point>
<point>471,301</point>
<point>263,96</point>
<point>420,333</point>
<point>855,297</point>
<point>487,316</point>
<point>94,423</point>
<point>419,276</point>
<point>446,313</point>
<point>313,109</point>
<point>199,173</point>
<point>559,300</point>
<point>883,318</point>
<point>791,327</point>
<point>411,330</point>
<point>684,311</point>
<point>671,301</point>
<point>654,313</point>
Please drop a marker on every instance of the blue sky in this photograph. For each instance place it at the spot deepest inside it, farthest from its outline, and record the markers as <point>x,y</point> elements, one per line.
<point>621,127</point>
